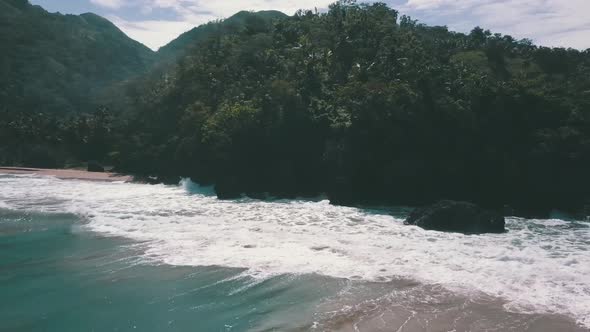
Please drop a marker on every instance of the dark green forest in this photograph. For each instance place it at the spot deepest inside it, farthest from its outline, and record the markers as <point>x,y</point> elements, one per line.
<point>60,63</point>
<point>358,102</point>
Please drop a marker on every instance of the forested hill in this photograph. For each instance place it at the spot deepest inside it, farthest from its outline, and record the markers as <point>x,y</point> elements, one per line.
<point>190,39</point>
<point>58,63</point>
<point>370,107</point>
<point>358,103</point>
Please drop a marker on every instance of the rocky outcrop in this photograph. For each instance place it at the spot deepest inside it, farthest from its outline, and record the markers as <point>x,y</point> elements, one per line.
<point>228,188</point>
<point>94,166</point>
<point>460,217</point>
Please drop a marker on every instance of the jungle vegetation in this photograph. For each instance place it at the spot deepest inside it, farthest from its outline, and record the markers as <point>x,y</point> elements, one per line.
<point>357,102</point>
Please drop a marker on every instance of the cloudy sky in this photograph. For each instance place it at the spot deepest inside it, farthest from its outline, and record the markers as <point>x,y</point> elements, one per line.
<point>156,22</point>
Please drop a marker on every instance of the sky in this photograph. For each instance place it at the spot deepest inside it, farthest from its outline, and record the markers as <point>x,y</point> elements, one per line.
<point>563,23</point>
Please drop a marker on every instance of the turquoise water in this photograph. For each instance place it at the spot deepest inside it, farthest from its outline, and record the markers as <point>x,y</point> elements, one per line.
<point>56,277</point>
<point>83,256</point>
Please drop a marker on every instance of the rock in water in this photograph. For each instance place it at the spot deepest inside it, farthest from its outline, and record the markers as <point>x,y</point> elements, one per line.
<point>228,188</point>
<point>94,166</point>
<point>461,217</point>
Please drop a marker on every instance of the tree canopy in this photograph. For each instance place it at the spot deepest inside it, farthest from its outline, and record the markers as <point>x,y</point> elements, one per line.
<point>367,106</point>
<point>62,63</point>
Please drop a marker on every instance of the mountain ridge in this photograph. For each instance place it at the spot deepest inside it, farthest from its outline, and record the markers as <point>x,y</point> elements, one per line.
<point>54,62</point>
<point>358,102</point>
<point>68,63</point>
<point>179,45</point>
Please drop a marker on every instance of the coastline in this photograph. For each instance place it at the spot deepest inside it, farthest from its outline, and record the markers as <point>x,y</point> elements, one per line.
<point>346,303</point>
<point>69,174</point>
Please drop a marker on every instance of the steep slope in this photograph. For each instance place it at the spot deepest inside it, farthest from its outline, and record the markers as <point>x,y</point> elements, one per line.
<point>58,63</point>
<point>124,96</point>
<point>357,102</point>
<point>372,108</point>
<point>235,23</point>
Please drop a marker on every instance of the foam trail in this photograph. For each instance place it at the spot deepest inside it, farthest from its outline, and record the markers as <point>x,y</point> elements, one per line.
<point>539,266</point>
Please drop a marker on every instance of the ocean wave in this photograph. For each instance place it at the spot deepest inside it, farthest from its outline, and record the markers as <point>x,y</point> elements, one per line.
<point>4,205</point>
<point>538,266</point>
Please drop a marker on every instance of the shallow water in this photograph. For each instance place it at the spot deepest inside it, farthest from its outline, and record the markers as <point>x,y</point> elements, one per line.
<point>101,256</point>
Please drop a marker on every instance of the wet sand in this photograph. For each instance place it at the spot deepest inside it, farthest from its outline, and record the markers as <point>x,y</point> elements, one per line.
<point>355,305</point>
<point>69,174</point>
<point>413,307</point>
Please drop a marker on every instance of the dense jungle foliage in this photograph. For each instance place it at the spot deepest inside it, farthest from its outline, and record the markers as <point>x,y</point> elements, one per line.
<point>61,63</point>
<point>192,38</point>
<point>357,102</point>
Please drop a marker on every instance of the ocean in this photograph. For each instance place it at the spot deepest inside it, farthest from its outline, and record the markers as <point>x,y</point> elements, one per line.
<point>99,256</point>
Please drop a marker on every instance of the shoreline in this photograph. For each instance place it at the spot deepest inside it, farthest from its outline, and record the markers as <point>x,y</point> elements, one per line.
<point>84,175</point>
<point>410,305</point>
<point>404,304</point>
<point>69,174</point>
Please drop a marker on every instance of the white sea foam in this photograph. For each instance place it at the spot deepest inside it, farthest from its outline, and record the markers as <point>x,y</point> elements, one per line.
<point>4,205</point>
<point>539,266</point>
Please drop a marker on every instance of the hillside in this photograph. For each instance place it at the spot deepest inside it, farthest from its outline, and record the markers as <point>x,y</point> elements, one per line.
<point>234,23</point>
<point>58,63</point>
<point>371,107</point>
<point>123,97</point>
<point>358,102</point>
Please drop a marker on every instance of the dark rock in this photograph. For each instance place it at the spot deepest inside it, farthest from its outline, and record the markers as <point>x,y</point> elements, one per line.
<point>228,188</point>
<point>94,166</point>
<point>340,192</point>
<point>169,179</point>
<point>586,211</point>
<point>461,217</point>
<point>508,210</point>
<point>158,179</point>
<point>152,180</point>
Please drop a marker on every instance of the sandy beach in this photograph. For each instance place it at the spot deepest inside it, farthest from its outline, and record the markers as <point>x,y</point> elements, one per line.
<point>69,174</point>
<point>303,265</point>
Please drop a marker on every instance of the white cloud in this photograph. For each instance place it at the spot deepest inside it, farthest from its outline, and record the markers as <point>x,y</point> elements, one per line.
<point>225,8</point>
<point>113,4</point>
<point>548,22</point>
<point>153,33</point>
<point>191,13</point>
